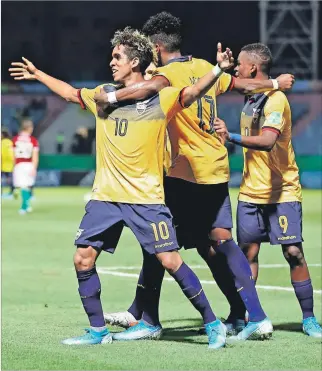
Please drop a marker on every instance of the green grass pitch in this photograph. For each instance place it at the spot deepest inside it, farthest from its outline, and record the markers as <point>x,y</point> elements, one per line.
<point>41,306</point>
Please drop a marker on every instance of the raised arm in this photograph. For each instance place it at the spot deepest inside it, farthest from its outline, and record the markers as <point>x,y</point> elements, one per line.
<point>247,86</point>
<point>27,71</point>
<point>139,91</point>
<point>191,93</point>
<point>263,142</point>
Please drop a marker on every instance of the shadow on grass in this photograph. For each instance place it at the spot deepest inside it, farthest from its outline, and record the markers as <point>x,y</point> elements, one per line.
<point>289,327</point>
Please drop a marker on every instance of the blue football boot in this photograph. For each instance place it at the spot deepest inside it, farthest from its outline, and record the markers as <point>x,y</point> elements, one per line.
<point>216,332</point>
<point>312,328</point>
<point>91,337</point>
<point>255,331</point>
<point>234,326</point>
<point>140,331</point>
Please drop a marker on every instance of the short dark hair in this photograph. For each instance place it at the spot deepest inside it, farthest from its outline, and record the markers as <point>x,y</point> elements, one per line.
<point>136,45</point>
<point>262,53</point>
<point>166,29</point>
<point>5,132</point>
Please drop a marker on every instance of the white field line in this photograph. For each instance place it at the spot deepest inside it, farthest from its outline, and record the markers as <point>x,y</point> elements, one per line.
<point>112,272</point>
<point>130,268</point>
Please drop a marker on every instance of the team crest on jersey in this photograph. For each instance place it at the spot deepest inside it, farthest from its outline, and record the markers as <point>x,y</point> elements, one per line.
<point>78,233</point>
<point>141,106</point>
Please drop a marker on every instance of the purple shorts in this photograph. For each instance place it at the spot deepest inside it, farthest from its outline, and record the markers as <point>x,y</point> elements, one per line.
<point>103,222</point>
<point>279,224</point>
<point>197,209</point>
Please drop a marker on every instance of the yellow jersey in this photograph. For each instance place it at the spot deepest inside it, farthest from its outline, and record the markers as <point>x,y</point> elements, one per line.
<point>130,147</point>
<point>7,157</point>
<point>269,177</point>
<point>197,154</point>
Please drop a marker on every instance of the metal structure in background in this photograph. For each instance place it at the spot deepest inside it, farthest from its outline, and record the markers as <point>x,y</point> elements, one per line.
<point>290,29</point>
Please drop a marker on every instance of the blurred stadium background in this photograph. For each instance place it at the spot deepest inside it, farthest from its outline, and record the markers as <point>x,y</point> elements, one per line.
<point>70,40</point>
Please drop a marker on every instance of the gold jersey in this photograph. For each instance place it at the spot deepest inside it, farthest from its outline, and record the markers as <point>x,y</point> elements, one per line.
<point>7,157</point>
<point>197,154</point>
<point>130,146</point>
<point>269,177</point>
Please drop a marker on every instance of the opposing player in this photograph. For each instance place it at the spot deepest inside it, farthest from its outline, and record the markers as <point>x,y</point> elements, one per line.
<point>196,188</point>
<point>128,186</point>
<point>26,153</point>
<point>7,162</point>
<point>270,197</point>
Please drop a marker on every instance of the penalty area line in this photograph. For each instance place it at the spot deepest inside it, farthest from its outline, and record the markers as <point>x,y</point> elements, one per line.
<point>112,272</point>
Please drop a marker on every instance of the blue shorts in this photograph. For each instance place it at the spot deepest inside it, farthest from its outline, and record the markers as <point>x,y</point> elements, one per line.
<point>279,224</point>
<point>197,209</point>
<point>103,222</point>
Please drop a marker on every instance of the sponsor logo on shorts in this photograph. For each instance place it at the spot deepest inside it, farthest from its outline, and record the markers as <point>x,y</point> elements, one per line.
<point>164,245</point>
<point>285,238</point>
<point>78,233</point>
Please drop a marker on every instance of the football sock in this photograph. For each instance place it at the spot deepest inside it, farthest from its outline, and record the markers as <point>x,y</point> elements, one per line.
<point>224,279</point>
<point>89,287</point>
<point>192,289</point>
<point>147,297</point>
<point>304,293</point>
<point>243,278</point>
<point>25,196</point>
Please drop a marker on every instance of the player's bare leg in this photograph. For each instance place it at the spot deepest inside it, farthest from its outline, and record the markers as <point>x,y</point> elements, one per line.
<point>300,278</point>
<point>251,252</point>
<point>90,293</point>
<point>259,326</point>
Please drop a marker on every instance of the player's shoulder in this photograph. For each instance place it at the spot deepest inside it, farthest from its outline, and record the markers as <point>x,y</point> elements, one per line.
<point>277,97</point>
<point>202,63</point>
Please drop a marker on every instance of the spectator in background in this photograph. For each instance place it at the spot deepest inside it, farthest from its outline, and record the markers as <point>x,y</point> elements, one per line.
<point>81,142</point>
<point>60,138</point>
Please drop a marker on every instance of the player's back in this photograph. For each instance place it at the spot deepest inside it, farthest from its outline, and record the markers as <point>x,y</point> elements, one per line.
<point>269,177</point>
<point>197,153</point>
<point>24,145</point>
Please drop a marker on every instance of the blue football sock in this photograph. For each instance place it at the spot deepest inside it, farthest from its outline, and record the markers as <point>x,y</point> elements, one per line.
<point>193,290</point>
<point>25,196</point>
<point>224,279</point>
<point>90,293</point>
<point>304,293</point>
<point>146,302</point>
<point>243,278</point>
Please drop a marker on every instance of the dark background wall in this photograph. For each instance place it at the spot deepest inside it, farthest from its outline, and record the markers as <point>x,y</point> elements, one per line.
<point>71,39</point>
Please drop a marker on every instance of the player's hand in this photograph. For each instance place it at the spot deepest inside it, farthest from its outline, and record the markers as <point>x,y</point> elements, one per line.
<point>225,59</point>
<point>23,71</point>
<point>285,81</point>
<point>101,97</point>
<point>221,129</point>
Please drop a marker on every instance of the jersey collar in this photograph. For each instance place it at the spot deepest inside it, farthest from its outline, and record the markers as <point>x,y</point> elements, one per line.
<point>183,58</point>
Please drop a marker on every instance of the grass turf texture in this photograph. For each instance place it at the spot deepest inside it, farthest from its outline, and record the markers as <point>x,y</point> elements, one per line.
<point>41,306</point>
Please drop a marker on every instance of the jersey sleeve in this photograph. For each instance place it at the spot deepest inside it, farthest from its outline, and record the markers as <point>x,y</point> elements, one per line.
<point>164,72</point>
<point>224,83</point>
<point>35,143</point>
<point>170,101</point>
<point>274,113</point>
<point>86,98</point>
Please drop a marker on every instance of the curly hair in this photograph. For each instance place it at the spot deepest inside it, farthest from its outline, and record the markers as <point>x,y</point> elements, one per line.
<point>166,29</point>
<point>137,45</point>
<point>261,53</point>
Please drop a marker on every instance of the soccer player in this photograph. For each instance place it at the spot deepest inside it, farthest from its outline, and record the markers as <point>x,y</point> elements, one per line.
<point>7,161</point>
<point>270,197</point>
<point>128,186</point>
<point>26,153</point>
<point>196,187</point>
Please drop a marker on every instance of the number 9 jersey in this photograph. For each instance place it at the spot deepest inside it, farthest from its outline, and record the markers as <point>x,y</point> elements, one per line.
<point>197,154</point>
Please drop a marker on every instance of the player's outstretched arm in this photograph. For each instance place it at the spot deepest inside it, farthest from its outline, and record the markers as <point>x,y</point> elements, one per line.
<point>139,91</point>
<point>251,86</point>
<point>27,71</point>
<point>199,89</point>
<point>263,142</point>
